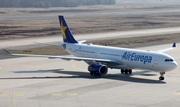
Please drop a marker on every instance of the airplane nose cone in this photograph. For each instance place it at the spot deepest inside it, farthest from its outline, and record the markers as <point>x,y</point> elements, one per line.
<point>174,65</point>
<point>171,66</point>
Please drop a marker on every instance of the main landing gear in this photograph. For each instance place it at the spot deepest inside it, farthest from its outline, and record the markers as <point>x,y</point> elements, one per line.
<point>162,76</point>
<point>126,71</point>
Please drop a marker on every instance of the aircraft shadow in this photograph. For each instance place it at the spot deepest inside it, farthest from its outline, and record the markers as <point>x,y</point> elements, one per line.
<point>143,73</point>
<point>77,74</point>
<point>38,71</point>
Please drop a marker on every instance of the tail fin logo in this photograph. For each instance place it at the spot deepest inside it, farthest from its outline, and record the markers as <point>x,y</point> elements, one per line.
<point>63,29</point>
<point>66,33</point>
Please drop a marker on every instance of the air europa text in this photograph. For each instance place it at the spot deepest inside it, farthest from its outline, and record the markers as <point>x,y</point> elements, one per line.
<point>138,58</point>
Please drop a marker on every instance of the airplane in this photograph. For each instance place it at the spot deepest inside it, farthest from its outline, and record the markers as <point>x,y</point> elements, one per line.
<point>100,58</point>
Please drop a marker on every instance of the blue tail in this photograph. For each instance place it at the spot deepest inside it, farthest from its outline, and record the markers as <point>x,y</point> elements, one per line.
<point>67,36</point>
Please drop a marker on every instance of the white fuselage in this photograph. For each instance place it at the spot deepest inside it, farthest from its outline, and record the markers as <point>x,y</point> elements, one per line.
<point>130,58</point>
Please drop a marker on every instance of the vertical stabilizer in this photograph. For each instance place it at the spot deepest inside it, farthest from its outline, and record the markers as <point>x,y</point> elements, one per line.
<point>67,36</point>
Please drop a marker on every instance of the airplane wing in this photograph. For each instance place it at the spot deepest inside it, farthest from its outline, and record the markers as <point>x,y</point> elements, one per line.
<point>167,49</point>
<point>67,57</point>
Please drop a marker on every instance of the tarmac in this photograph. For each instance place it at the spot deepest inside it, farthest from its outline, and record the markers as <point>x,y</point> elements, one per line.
<point>41,82</point>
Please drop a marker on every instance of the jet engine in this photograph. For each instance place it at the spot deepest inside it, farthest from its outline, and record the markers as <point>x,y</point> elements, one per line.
<point>98,69</point>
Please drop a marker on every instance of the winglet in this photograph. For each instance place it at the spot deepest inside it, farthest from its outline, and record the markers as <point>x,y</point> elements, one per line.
<point>174,45</point>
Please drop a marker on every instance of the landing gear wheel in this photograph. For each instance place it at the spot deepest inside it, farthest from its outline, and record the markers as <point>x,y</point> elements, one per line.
<point>161,78</point>
<point>126,71</point>
<point>122,71</point>
<point>91,73</point>
<point>130,71</point>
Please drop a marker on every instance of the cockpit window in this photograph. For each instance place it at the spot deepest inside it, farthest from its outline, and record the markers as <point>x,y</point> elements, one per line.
<point>168,60</point>
<point>171,59</point>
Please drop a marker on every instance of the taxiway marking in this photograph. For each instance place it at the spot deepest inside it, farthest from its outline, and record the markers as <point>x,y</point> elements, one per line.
<point>60,94</point>
<point>72,94</point>
<point>77,68</point>
<point>57,94</point>
<point>11,101</point>
<point>4,95</point>
<point>19,95</point>
<point>16,95</point>
<point>177,93</point>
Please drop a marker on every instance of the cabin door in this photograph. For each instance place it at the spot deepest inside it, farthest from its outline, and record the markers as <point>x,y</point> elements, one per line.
<point>156,60</point>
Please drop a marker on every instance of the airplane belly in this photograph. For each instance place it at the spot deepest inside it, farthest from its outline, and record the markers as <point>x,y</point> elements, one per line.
<point>118,67</point>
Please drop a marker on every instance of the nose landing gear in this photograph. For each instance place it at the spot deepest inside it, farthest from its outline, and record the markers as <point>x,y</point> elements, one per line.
<point>162,76</point>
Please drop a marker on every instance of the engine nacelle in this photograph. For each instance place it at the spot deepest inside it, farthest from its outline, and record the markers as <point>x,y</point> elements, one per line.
<point>98,69</point>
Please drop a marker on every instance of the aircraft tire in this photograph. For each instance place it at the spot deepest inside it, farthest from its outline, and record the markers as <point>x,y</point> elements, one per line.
<point>161,78</point>
<point>91,74</point>
<point>122,71</point>
<point>126,71</point>
<point>130,71</point>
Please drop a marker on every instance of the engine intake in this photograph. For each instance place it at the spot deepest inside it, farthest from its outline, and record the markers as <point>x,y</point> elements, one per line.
<point>98,69</point>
